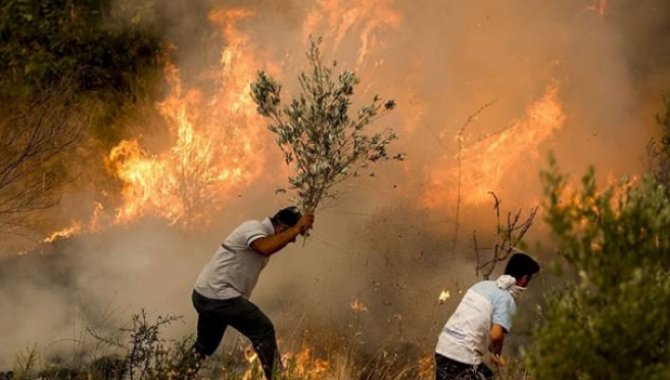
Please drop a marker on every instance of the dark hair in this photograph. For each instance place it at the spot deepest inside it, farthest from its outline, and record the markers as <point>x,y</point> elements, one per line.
<point>520,265</point>
<point>288,216</point>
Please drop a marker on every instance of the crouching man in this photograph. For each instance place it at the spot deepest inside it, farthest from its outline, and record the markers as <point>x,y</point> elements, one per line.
<point>483,316</point>
<point>221,292</point>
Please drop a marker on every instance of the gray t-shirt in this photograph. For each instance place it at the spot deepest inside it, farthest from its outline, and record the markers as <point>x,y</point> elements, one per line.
<point>234,269</point>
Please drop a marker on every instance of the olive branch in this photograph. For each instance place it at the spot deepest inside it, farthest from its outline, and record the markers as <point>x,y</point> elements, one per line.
<point>321,142</point>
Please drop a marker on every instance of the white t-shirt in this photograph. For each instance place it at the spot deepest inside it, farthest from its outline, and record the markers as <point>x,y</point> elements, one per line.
<point>234,269</point>
<point>465,336</point>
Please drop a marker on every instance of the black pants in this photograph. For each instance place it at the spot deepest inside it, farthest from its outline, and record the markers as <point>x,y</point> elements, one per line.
<point>214,316</point>
<point>448,369</point>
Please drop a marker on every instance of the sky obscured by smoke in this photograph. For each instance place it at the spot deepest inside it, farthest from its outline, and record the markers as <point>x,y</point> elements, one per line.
<point>381,242</point>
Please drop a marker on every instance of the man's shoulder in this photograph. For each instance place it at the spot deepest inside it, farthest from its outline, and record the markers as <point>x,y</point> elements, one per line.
<point>253,227</point>
<point>491,291</point>
<point>251,223</point>
<point>484,286</point>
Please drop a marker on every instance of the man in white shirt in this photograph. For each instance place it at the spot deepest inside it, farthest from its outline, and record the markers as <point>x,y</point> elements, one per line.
<point>221,292</point>
<point>483,316</point>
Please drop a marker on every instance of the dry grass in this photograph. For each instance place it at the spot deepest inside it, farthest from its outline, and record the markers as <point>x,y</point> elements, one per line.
<point>307,355</point>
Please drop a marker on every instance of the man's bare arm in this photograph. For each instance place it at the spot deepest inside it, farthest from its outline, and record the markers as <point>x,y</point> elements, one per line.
<point>497,339</point>
<point>272,244</point>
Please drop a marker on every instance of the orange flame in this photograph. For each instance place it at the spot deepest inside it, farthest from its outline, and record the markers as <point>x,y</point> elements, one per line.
<point>77,226</point>
<point>64,233</point>
<point>305,365</point>
<point>426,367</point>
<point>250,355</point>
<point>343,16</point>
<point>215,146</point>
<point>358,306</point>
<point>599,7</point>
<point>252,360</point>
<point>488,160</point>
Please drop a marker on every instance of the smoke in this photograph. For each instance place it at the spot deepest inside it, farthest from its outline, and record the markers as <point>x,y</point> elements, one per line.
<point>381,243</point>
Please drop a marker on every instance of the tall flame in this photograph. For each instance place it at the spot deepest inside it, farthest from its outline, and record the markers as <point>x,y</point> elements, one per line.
<point>215,146</point>
<point>487,161</point>
<point>598,6</point>
<point>340,17</point>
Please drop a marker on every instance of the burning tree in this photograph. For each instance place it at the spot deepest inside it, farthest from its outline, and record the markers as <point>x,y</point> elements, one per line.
<point>318,137</point>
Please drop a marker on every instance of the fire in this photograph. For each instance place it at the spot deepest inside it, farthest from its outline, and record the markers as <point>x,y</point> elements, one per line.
<point>77,226</point>
<point>486,162</point>
<point>340,17</point>
<point>426,367</point>
<point>599,7</point>
<point>303,364</point>
<point>358,306</point>
<point>444,296</point>
<point>253,364</point>
<point>64,233</point>
<point>215,147</point>
<point>250,355</point>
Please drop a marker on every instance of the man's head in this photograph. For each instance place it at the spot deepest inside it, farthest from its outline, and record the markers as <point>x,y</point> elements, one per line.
<point>522,267</point>
<point>285,218</point>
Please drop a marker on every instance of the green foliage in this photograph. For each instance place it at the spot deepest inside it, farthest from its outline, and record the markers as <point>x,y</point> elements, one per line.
<point>46,40</point>
<point>315,131</point>
<point>612,320</point>
<point>69,72</point>
<point>659,150</point>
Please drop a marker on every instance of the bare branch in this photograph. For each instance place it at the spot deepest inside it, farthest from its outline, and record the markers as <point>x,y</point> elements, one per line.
<point>507,238</point>
<point>32,142</point>
<point>459,139</point>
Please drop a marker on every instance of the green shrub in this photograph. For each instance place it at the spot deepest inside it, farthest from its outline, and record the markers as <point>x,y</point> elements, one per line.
<point>611,320</point>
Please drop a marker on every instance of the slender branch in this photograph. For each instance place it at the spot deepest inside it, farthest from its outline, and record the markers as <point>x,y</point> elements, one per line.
<point>476,246</point>
<point>507,238</point>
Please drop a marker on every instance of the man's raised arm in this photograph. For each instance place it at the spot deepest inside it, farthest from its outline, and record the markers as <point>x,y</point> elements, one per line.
<point>269,245</point>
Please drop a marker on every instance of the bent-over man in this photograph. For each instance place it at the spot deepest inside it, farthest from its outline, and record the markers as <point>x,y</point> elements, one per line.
<point>221,292</point>
<point>483,316</point>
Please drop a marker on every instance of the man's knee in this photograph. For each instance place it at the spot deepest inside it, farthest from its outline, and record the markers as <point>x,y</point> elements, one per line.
<point>205,348</point>
<point>264,332</point>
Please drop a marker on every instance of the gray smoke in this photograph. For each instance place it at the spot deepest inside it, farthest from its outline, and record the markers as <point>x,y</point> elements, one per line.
<point>377,243</point>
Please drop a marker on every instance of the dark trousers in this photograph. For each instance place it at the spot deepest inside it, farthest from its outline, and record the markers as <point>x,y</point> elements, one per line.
<point>449,369</point>
<point>214,316</point>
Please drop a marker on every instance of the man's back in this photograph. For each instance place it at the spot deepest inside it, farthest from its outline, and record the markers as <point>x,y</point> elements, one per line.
<point>465,335</point>
<point>234,269</point>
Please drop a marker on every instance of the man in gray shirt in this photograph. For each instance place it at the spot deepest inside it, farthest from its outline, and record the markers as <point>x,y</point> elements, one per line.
<point>221,292</point>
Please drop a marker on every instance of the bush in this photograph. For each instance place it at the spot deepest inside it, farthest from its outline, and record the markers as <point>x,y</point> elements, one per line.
<point>610,321</point>
<point>46,40</point>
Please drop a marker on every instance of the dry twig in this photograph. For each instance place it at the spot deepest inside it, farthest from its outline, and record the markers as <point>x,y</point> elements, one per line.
<point>507,238</point>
